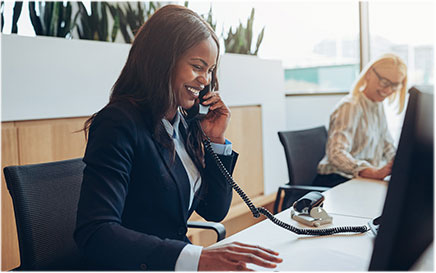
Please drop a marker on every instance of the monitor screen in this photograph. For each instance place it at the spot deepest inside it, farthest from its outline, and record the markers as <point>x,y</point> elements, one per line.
<point>406,224</point>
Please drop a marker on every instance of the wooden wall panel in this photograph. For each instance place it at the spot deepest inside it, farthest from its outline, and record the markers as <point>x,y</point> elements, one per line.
<point>50,140</point>
<point>10,250</point>
<point>35,144</point>
<point>245,133</point>
<point>68,141</point>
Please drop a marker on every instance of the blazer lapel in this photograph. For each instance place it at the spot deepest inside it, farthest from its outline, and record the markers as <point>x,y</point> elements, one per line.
<point>179,176</point>
<point>196,200</point>
<point>183,128</point>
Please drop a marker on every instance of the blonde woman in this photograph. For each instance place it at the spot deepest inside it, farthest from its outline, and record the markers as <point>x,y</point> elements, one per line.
<point>359,142</point>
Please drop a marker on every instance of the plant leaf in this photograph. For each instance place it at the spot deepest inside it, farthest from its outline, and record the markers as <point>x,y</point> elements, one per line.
<point>34,19</point>
<point>240,42</point>
<point>259,41</point>
<point>16,15</point>
<point>2,20</point>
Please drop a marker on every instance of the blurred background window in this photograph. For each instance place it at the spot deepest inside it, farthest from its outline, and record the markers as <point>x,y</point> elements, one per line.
<point>317,42</point>
<point>320,46</point>
<point>406,29</point>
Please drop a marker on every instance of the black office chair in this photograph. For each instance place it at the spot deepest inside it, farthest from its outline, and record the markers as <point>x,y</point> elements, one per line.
<point>303,149</point>
<point>45,198</point>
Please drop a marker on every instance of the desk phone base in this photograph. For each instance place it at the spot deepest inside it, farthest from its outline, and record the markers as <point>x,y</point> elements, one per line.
<point>374,224</point>
<point>317,217</point>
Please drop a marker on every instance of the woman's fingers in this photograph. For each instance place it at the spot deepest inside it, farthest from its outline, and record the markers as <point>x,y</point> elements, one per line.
<point>256,252</point>
<point>252,258</point>
<point>253,246</point>
<point>238,266</point>
<point>216,121</point>
<point>211,98</point>
<point>210,94</point>
<point>218,105</point>
<point>236,256</point>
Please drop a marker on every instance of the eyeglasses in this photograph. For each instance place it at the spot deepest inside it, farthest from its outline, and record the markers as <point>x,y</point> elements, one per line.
<point>383,82</point>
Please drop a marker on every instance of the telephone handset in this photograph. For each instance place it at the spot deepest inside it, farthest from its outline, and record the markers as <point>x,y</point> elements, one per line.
<point>256,211</point>
<point>199,110</point>
<point>203,109</point>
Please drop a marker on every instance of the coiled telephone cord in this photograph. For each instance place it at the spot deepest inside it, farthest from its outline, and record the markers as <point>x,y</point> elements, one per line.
<point>256,211</point>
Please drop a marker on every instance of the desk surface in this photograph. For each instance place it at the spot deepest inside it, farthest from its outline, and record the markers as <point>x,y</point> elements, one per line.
<point>352,203</point>
<point>357,197</point>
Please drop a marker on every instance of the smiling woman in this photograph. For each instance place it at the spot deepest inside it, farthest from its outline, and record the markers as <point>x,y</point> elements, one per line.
<point>383,87</point>
<point>193,71</point>
<point>146,170</point>
<point>359,142</point>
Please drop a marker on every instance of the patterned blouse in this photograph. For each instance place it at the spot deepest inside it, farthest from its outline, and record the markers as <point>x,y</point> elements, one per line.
<point>358,137</point>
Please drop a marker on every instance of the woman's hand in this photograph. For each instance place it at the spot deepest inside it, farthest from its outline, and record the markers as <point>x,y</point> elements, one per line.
<point>235,257</point>
<point>379,174</point>
<point>216,121</point>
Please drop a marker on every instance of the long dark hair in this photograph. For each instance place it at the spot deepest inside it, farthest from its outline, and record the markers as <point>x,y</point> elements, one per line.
<point>145,80</point>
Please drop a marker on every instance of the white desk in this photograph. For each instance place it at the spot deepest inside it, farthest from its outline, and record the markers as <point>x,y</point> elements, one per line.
<point>357,197</point>
<point>353,203</point>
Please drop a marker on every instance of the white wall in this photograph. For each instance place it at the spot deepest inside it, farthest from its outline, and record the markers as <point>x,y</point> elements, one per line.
<point>41,80</point>
<point>248,80</point>
<point>303,112</point>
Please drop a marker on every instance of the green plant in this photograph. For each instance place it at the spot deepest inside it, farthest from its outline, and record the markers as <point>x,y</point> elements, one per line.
<point>16,15</point>
<point>209,18</point>
<point>128,18</point>
<point>94,26</point>
<point>18,6</point>
<point>113,8</point>
<point>116,26</point>
<point>2,22</point>
<point>52,18</point>
<point>240,40</point>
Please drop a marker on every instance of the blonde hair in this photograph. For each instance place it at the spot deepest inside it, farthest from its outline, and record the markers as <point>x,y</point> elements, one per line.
<point>360,84</point>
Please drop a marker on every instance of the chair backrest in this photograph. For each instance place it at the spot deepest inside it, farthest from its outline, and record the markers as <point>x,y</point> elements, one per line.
<point>303,149</point>
<point>45,198</point>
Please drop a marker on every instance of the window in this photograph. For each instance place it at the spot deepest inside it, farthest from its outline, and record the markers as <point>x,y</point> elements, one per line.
<point>406,29</point>
<point>320,45</point>
<point>317,42</point>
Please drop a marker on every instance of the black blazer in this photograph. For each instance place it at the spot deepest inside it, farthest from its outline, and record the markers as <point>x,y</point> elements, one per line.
<point>134,199</point>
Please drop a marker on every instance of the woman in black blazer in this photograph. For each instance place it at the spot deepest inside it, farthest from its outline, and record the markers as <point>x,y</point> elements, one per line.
<point>146,169</point>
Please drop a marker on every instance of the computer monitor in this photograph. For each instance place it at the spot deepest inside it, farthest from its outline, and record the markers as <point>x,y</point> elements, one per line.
<point>406,224</point>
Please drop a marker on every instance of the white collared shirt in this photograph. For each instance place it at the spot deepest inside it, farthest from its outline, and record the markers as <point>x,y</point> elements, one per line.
<point>190,254</point>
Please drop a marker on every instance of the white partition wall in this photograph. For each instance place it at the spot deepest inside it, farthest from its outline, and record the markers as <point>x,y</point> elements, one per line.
<point>308,111</point>
<point>248,80</point>
<point>45,77</point>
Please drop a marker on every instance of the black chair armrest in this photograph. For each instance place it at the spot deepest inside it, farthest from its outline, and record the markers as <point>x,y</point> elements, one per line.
<point>290,188</point>
<point>303,188</point>
<point>219,228</point>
